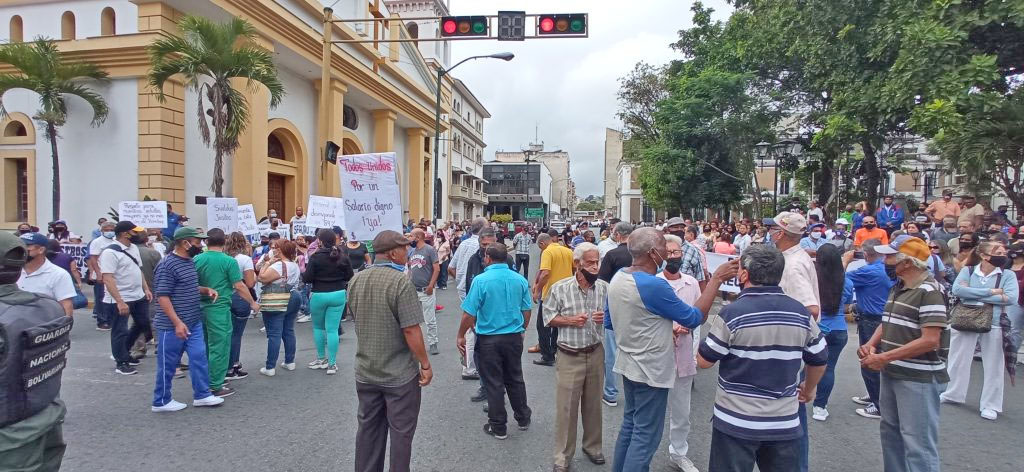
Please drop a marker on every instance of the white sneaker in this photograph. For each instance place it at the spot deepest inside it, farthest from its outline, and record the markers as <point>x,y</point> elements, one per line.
<point>332,369</point>
<point>263,329</point>
<point>862,400</point>
<point>684,464</point>
<point>820,414</point>
<point>212,400</point>
<point>870,411</point>
<point>170,406</point>
<point>267,372</point>
<point>989,414</point>
<point>317,364</point>
<point>303,319</point>
<point>288,365</point>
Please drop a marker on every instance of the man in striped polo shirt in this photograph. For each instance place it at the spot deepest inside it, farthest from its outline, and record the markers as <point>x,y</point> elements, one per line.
<point>762,340</point>
<point>910,349</point>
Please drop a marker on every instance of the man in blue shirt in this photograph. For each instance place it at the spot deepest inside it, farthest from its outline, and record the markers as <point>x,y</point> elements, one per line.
<point>173,223</point>
<point>871,285</point>
<point>889,216</point>
<point>498,306</point>
<point>814,240</point>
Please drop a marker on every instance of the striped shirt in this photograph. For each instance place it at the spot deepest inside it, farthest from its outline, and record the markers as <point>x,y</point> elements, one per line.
<point>909,309</point>
<point>568,299</point>
<point>762,340</point>
<point>176,277</point>
<point>522,243</point>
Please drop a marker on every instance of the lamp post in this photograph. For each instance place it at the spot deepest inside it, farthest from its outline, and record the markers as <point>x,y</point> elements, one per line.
<point>929,176</point>
<point>784,149</point>
<point>505,56</point>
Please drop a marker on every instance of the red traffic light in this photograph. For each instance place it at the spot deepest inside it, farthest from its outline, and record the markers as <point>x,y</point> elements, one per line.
<point>562,24</point>
<point>547,24</point>
<point>464,26</point>
<point>448,26</point>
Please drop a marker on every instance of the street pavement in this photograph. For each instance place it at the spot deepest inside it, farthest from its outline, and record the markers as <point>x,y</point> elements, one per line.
<point>306,421</point>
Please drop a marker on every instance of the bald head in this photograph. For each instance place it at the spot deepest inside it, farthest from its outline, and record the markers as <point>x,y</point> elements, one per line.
<point>418,234</point>
<point>642,241</point>
<point>477,224</point>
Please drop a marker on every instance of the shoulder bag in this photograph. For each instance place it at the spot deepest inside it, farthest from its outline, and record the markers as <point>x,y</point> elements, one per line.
<point>275,296</point>
<point>974,319</point>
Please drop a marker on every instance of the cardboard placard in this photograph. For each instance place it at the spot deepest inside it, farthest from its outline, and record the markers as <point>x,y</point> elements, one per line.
<point>246,221</point>
<point>372,197</point>
<point>222,213</point>
<point>147,214</point>
<point>325,212</point>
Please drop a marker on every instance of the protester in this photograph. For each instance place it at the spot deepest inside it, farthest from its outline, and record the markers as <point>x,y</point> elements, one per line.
<point>555,265</point>
<point>945,230</point>
<point>173,222</point>
<point>871,284</point>
<point>724,245</point>
<point>424,270</point>
<point>96,246</point>
<point>869,231</point>
<point>616,259</point>
<point>963,228</point>
<point>521,242</point>
<point>59,231</point>
<point>890,216</point>
<point>742,239</point>
<point>965,246</point>
<point>800,280</point>
<point>126,294</point>
<point>815,211</point>
<point>943,208</point>
<point>42,277</point>
<point>815,240</point>
<point>444,254</point>
<point>457,268</point>
<point>838,236</point>
<point>239,249</point>
<point>389,344</point>
<point>149,258</point>
<point>836,293</point>
<point>765,430</point>
<point>55,254</point>
<point>982,282</point>
<point>860,211</point>
<point>329,272</point>
<point>909,348</point>
<point>576,308</point>
<point>179,324</point>
<point>610,242</point>
<point>970,209</point>
<point>280,304</point>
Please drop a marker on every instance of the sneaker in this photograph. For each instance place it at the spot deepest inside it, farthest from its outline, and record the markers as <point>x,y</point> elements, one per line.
<point>332,369</point>
<point>303,319</point>
<point>263,329</point>
<point>684,464</point>
<point>170,406</point>
<point>126,369</point>
<point>103,327</point>
<point>288,365</point>
<point>224,391</point>
<point>434,350</point>
<point>179,374</point>
<point>489,430</point>
<point>183,367</point>
<point>212,400</point>
<point>870,411</point>
<point>479,396</point>
<point>438,307</point>
<point>133,361</point>
<point>989,414</point>
<point>820,414</point>
<point>609,401</point>
<point>317,364</point>
<point>865,400</point>
<point>524,425</point>
<point>268,372</point>
<point>944,399</point>
<point>236,373</point>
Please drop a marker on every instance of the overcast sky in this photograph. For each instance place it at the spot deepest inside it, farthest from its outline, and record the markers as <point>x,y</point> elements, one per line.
<point>566,87</point>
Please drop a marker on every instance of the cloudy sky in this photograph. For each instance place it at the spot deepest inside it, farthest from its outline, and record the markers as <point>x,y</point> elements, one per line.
<point>566,87</point>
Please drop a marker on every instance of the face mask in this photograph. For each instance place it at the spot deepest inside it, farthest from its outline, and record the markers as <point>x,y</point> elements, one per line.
<point>108,234</point>
<point>194,251</point>
<point>998,261</point>
<point>869,225</point>
<point>815,235</point>
<point>890,270</point>
<point>661,265</point>
<point>673,264</point>
<point>152,238</point>
<point>591,277</point>
<point>679,234</point>
<point>61,229</point>
<point>138,239</point>
<point>273,215</point>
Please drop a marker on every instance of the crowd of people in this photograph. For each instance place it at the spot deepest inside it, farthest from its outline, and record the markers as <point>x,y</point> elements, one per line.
<point>619,313</point>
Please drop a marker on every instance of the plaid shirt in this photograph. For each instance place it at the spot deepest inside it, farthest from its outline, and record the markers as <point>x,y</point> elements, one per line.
<point>567,299</point>
<point>522,243</point>
<point>694,262</point>
<point>384,301</point>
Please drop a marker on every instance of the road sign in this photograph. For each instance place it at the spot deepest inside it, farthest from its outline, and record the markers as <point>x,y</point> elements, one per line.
<point>534,213</point>
<point>511,26</point>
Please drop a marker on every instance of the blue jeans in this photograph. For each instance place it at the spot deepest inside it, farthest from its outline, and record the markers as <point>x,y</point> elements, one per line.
<point>836,342</point>
<point>610,391</point>
<point>866,326</point>
<point>102,317</point>
<point>168,356</point>
<point>239,317</point>
<point>304,290</point>
<point>910,424</point>
<point>732,454</point>
<point>281,327</point>
<point>643,422</point>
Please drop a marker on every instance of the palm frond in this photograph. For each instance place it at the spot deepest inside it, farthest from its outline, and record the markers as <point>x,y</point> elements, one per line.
<point>256,65</point>
<point>95,100</point>
<point>204,127</point>
<point>79,70</point>
<point>9,82</point>
<point>238,116</point>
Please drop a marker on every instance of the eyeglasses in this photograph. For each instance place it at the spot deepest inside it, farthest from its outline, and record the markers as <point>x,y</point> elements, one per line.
<point>934,248</point>
<point>676,253</point>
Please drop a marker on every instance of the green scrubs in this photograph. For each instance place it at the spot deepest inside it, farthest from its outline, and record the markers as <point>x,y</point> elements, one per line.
<point>220,272</point>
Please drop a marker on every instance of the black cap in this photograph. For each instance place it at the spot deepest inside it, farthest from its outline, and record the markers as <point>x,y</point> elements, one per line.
<point>127,226</point>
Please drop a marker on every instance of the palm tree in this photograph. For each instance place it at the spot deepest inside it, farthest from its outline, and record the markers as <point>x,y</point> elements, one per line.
<point>41,69</point>
<point>209,55</point>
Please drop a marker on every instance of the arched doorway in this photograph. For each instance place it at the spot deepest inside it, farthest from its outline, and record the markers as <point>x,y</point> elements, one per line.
<point>287,185</point>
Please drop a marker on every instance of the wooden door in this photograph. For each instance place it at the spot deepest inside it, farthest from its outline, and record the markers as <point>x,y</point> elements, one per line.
<point>275,194</point>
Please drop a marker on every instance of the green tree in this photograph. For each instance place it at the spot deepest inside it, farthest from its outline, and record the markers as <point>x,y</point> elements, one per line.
<point>209,55</point>
<point>41,68</point>
<point>590,205</point>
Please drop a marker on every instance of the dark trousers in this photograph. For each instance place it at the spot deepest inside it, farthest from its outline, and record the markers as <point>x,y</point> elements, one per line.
<point>239,318</point>
<point>384,410</point>
<point>501,358</point>
<point>102,317</point>
<point>121,337</point>
<point>547,337</point>
<point>442,278</point>
<point>866,326</point>
<point>523,264</point>
<point>732,454</point>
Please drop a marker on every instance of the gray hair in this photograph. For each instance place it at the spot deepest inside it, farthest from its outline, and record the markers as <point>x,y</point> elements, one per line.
<point>477,224</point>
<point>671,238</point>
<point>623,228</point>
<point>487,233</point>
<point>543,238</point>
<point>583,248</point>
<point>642,241</point>
<point>868,246</point>
<point>764,264</point>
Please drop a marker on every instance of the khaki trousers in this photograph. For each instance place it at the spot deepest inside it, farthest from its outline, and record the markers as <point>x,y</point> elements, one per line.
<point>580,381</point>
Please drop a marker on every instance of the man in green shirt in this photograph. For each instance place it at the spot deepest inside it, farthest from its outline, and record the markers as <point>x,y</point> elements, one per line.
<point>219,272</point>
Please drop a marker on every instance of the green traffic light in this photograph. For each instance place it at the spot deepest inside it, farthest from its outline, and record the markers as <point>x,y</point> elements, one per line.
<point>479,27</point>
<point>576,25</point>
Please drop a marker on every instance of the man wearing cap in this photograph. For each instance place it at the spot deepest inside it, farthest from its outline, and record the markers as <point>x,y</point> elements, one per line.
<point>96,246</point>
<point>815,240</point>
<point>391,361</point>
<point>179,324</point>
<point>910,349</point>
<point>40,276</point>
<point>970,209</point>
<point>839,236</point>
<point>889,216</point>
<point>800,279</point>
<point>126,294</point>
<point>694,263</point>
<point>940,209</point>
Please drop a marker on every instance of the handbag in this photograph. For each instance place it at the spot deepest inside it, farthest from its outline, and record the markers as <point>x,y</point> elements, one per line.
<point>274,296</point>
<point>970,318</point>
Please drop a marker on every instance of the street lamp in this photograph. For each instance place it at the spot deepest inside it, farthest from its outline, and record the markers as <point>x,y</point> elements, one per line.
<point>784,149</point>
<point>505,56</point>
<point>929,177</point>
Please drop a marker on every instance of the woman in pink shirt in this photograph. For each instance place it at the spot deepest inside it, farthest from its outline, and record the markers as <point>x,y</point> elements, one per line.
<point>724,245</point>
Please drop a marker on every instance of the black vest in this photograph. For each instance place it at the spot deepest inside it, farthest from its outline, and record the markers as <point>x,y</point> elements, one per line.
<point>34,339</point>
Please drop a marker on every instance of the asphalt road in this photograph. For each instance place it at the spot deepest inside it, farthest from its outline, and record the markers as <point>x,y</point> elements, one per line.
<point>306,421</point>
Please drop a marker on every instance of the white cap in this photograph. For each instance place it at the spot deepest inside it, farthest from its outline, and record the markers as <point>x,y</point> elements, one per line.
<point>842,221</point>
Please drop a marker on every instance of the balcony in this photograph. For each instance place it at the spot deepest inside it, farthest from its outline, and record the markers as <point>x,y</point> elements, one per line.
<point>479,197</point>
<point>461,192</point>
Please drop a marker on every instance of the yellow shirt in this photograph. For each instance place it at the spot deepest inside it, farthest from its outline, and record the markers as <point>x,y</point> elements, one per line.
<point>968,214</point>
<point>557,260</point>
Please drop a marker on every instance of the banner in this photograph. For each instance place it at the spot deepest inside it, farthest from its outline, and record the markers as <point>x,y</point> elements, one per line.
<point>148,214</point>
<point>373,200</point>
<point>282,230</point>
<point>715,260</point>
<point>246,220</point>
<point>300,227</point>
<point>80,253</point>
<point>222,213</point>
<point>324,212</point>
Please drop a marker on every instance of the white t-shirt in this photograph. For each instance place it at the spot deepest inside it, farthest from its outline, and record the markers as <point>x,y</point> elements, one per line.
<point>96,246</point>
<point>817,211</point>
<point>127,274</point>
<point>245,263</point>
<point>293,272</point>
<point>49,280</point>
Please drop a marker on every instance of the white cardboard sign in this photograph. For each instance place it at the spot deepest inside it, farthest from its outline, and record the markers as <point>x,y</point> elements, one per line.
<point>247,220</point>
<point>324,212</point>
<point>222,213</point>
<point>147,214</point>
<point>373,200</point>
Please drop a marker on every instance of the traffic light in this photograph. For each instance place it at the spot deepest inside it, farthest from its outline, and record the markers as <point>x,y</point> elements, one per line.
<point>331,152</point>
<point>511,25</point>
<point>464,26</point>
<point>562,24</point>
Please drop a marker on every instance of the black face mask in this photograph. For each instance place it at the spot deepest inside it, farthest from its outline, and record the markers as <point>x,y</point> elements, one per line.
<point>869,225</point>
<point>591,277</point>
<point>679,234</point>
<point>966,245</point>
<point>139,239</point>
<point>673,264</point>
<point>24,231</point>
<point>998,261</point>
<point>194,251</point>
<point>890,270</point>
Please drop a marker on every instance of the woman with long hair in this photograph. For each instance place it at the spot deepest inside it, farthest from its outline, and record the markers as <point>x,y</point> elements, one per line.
<point>836,291</point>
<point>239,248</point>
<point>982,282</point>
<point>282,273</point>
<point>444,254</point>
<point>329,271</point>
<point>967,243</point>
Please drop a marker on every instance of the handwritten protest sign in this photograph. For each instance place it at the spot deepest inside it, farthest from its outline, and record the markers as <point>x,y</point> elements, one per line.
<point>373,202</point>
<point>300,227</point>
<point>148,214</point>
<point>715,260</point>
<point>324,212</point>
<point>246,220</point>
<point>79,252</point>
<point>222,213</point>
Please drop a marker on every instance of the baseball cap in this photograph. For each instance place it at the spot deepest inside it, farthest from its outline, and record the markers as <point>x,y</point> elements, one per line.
<point>33,239</point>
<point>674,221</point>
<point>906,244</point>
<point>186,232</point>
<point>126,226</point>
<point>948,191</point>
<point>842,221</point>
<point>12,250</point>
<point>388,240</point>
<point>791,222</point>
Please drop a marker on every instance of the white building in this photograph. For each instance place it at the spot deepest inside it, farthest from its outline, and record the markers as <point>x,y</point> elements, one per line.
<point>563,191</point>
<point>467,198</point>
<point>612,158</point>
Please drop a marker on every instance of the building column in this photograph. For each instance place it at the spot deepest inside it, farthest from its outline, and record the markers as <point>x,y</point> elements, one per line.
<point>419,197</point>
<point>249,165</point>
<point>331,128</point>
<point>384,130</point>
<point>162,143</point>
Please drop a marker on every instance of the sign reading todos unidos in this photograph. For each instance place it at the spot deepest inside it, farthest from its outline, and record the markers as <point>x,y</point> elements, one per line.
<point>148,214</point>
<point>373,202</point>
<point>222,213</point>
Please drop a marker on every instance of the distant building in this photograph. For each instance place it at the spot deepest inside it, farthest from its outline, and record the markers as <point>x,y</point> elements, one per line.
<point>563,190</point>
<point>515,187</point>
<point>612,158</point>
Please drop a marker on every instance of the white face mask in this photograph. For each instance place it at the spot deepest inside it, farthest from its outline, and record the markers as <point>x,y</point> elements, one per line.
<point>815,235</point>
<point>152,238</point>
